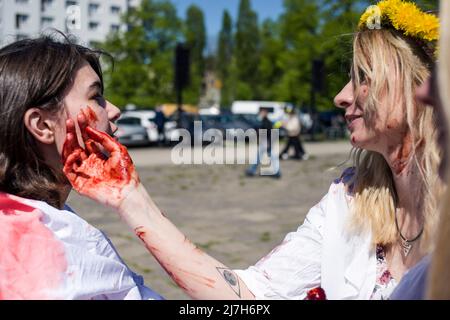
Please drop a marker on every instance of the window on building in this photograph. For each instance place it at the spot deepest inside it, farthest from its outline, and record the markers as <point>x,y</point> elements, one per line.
<point>71,3</point>
<point>21,19</point>
<point>45,4</point>
<point>46,22</point>
<point>93,26</point>
<point>115,9</point>
<point>115,27</point>
<point>21,1</point>
<point>93,8</point>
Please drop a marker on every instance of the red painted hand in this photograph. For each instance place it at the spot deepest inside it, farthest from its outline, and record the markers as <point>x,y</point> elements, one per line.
<point>105,179</point>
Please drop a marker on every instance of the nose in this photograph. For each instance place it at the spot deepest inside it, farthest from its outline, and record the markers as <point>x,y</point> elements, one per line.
<point>112,111</point>
<point>345,98</point>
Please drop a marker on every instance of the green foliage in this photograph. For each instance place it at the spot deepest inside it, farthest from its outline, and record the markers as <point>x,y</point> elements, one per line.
<point>195,36</point>
<point>247,52</point>
<point>225,58</point>
<point>143,56</point>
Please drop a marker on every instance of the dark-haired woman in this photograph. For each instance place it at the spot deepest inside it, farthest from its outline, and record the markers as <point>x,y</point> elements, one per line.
<point>46,250</point>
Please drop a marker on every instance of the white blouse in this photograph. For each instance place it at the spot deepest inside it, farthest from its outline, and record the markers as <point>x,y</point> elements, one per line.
<point>321,253</point>
<point>46,253</point>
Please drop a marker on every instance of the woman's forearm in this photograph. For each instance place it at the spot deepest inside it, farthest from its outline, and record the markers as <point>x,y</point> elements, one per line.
<point>197,273</point>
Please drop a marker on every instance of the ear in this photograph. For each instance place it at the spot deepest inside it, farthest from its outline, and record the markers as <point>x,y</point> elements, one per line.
<point>40,125</point>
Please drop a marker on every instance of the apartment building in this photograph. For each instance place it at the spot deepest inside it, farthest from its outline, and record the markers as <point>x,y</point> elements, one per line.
<point>89,20</point>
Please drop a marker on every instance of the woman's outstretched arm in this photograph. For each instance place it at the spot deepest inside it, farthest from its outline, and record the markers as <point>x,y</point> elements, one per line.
<point>112,180</point>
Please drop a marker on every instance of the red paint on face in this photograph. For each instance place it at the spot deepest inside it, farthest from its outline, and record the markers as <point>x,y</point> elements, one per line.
<point>32,260</point>
<point>96,176</point>
<point>91,116</point>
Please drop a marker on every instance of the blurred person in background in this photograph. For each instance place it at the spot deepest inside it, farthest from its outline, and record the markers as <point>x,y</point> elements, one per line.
<point>264,145</point>
<point>293,128</point>
<point>160,121</point>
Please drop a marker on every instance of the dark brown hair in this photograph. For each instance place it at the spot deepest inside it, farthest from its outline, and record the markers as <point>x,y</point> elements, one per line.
<point>35,73</point>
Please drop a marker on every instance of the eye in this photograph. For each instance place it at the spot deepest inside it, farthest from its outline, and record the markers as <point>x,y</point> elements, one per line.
<point>99,99</point>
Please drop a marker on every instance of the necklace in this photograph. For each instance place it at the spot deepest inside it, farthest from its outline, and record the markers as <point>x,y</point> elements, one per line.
<point>406,243</point>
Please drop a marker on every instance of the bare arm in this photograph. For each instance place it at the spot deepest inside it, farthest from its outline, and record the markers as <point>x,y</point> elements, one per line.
<point>198,274</point>
<point>113,181</point>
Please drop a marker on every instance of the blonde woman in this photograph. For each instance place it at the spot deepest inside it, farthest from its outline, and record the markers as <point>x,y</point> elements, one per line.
<point>374,222</point>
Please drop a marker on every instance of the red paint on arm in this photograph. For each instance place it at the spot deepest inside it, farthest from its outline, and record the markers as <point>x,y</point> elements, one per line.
<point>32,260</point>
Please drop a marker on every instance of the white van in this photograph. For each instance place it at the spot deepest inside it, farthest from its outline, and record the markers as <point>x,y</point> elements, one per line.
<point>275,108</point>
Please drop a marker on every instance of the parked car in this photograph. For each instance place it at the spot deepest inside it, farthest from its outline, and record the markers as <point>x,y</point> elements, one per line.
<point>131,133</point>
<point>145,119</point>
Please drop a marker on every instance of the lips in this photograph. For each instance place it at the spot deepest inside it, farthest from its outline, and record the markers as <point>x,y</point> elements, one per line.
<point>351,117</point>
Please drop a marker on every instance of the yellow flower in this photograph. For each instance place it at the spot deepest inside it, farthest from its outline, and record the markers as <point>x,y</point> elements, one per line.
<point>403,16</point>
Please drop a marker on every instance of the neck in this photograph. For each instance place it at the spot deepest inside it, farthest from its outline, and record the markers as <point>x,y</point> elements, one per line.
<point>408,185</point>
<point>64,194</point>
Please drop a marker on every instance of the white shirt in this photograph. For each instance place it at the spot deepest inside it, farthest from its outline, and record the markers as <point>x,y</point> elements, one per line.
<point>54,254</point>
<point>320,253</point>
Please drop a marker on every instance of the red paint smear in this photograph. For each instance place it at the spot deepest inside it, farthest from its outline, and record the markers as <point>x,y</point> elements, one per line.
<point>32,259</point>
<point>139,231</point>
<point>403,155</point>
<point>9,206</point>
<point>103,179</point>
<point>316,294</point>
<point>91,116</point>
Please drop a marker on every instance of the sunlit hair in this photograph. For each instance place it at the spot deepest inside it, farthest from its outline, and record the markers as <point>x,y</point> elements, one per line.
<point>439,277</point>
<point>392,67</point>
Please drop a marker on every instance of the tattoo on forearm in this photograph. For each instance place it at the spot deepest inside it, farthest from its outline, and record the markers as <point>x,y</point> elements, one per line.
<point>231,279</point>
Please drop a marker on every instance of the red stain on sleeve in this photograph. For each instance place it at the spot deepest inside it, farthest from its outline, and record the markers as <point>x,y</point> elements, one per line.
<point>32,260</point>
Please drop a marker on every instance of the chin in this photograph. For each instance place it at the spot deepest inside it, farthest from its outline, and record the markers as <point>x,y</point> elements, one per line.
<point>359,142</point>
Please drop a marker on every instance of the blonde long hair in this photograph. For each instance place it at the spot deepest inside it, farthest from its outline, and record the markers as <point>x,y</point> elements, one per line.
<point>439,277</point>
<point>393,66</point>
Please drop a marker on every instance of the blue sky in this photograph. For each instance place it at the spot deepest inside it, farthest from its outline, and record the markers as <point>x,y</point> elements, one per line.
<point>213,10</point>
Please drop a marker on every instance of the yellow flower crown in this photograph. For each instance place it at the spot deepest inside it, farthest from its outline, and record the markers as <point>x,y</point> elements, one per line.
<point>403,16</point>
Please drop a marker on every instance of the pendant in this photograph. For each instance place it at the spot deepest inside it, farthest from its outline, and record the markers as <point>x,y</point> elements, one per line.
<point>406,246</point>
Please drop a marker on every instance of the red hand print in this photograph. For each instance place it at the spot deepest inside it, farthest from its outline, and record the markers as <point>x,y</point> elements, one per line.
<point>106,179</point>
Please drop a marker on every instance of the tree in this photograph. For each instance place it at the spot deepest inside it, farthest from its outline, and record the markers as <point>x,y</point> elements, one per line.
<point>143,54</point>
<point>339,22</point>
<point>270,68</point>
<point>247,52</point>
<point>299,30</point>
<point>195,36</point>
<point>225,56</point>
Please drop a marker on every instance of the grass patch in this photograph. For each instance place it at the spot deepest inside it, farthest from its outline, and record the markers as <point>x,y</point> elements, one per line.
<point>265,237</point>
<point>208,245</point>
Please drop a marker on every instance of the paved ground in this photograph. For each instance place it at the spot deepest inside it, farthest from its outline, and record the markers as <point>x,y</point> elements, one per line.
<point>234,218</point>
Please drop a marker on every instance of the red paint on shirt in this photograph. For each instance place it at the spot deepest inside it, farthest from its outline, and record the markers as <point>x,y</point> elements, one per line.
<point>32,260</point>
